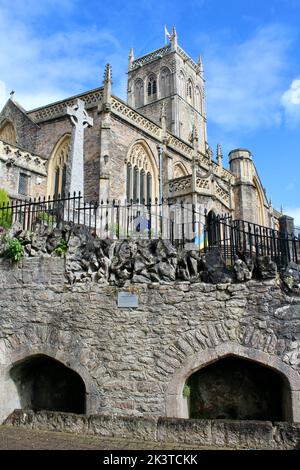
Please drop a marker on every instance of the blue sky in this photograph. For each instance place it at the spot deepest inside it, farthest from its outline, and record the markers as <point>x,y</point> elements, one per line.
<point>51,49</point>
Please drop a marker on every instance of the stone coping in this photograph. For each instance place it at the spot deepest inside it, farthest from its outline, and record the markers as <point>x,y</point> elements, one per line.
<point>209,433</point>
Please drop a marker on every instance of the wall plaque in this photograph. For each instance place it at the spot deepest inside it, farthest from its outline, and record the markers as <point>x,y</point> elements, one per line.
<point>127,300</point>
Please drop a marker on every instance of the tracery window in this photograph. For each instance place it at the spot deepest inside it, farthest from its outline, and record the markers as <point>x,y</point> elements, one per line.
<point>165,82</point>
<point>139,93</point>
<point>140,175</point>
<point>8,133</point>
<point>152,87</point>
<point>57,171</point>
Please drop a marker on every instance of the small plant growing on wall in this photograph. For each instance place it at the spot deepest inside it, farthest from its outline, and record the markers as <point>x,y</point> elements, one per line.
<point>186,391</point>
<point>61,248</point>
<point>5,211</point>
<point>15,250</point>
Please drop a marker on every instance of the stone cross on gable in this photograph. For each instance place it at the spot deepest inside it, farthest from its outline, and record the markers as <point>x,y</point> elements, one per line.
<point>80,120</point>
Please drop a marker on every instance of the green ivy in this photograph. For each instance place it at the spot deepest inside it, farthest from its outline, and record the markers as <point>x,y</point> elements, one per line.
<point>61,248</point>
<point>15,250</point>
<point>186,391</point>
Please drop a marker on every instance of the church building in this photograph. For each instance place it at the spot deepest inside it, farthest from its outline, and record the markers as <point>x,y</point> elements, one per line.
<point>158,135</point>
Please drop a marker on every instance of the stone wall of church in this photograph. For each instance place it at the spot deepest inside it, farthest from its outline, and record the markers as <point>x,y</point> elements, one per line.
<point>134,361</point>
<point>122,137</point>
<point>9,179</point>
<point>26,130</point>
<point>51,132</point>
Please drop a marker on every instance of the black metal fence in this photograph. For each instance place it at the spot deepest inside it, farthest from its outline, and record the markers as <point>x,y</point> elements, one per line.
<point>180,223</point>
<point>183,224</point>
<point>248,240</point>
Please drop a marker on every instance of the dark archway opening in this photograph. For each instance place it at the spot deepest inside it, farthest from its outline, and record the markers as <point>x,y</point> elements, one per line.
<point>213,229</point>
<point>46,384</point>
<point>234,388</point>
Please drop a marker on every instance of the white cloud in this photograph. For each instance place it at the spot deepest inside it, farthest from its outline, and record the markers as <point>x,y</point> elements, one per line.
<point>3,96</point>
<point>47,67</point>
<point>291,102</point>
<point>244,81</point>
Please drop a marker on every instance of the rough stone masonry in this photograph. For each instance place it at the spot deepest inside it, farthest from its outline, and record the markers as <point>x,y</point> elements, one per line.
<point>192,311</point>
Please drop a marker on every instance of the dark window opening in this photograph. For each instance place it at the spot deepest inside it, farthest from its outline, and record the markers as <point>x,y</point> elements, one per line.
<point>23,184</point>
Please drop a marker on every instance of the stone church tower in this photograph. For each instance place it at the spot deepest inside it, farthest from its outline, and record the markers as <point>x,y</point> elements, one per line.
<point>169,77</point>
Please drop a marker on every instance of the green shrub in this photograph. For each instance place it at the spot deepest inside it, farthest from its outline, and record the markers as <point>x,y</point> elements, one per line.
<point>15,249</point>
<point>5,213</point>
<point>61,248</point>
<point>45,217</point>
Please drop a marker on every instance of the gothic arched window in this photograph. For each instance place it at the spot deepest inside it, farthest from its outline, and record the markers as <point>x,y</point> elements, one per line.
<point>8,133</point>
<point>141,175</point>
<point>152,87</point>
<point>190,92</point>
<point>139,93</point>
<point>57,170</point>
<point>165,82</point>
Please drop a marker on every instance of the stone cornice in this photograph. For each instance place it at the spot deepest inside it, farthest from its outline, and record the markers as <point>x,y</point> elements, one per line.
<point>14,156</point>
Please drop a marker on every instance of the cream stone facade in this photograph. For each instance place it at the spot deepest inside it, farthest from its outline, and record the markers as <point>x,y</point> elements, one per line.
<point>165,106</point>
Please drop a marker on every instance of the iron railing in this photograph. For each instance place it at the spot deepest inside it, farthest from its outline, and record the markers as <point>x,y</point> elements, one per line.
<point>249,240</point>
<point>185,225</point>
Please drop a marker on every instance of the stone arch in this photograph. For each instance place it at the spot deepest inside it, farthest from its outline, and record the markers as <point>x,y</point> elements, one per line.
<point>139,93</point>
<point>141,172</point>
<point>179,170</point>
<point>8,132</point>
<point>57,166</point>
<point>175,405</point>
<point>165,82</point>
<point>59,345</point>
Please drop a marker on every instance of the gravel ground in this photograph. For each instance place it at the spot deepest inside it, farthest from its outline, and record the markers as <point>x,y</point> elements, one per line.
<point>14,438</point>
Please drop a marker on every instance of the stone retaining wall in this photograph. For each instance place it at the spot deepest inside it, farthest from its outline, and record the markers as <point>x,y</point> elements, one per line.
<point>135,361</point>
<point>207,433</point>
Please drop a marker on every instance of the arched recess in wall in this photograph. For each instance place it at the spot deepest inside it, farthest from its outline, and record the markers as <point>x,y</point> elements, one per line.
<point>43,383</point>
<point>165,82</point>
<point>179,170</point>
<point>285,377</point>
<point>181,84</point>
<point>139,93</point>
<point>141,173</point>
<point>190,92</point>
<point>8,132</point>
<point>198,100</point>
<point>57,167</point>
<point>260,203</point>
